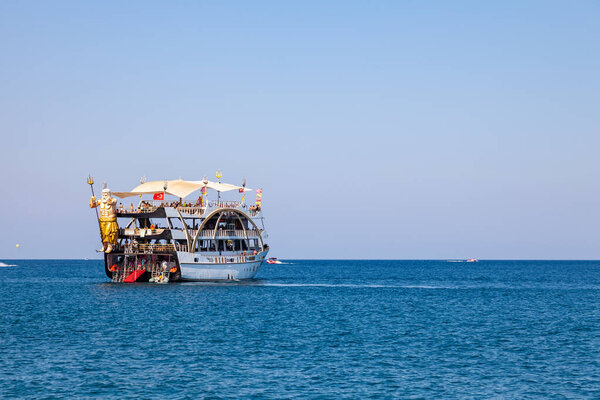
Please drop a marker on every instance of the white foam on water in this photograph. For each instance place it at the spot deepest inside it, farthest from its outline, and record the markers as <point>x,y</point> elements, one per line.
<point>7,265</point>
<point>377,286</point>
<point>451,287</point>
<point>349,285</point>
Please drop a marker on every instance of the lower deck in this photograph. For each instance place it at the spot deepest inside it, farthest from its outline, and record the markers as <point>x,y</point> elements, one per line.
<point>176,266</point>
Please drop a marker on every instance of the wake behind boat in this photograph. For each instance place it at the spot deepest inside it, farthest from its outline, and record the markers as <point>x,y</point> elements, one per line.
<point>7,265</point>
<point>165,240</point>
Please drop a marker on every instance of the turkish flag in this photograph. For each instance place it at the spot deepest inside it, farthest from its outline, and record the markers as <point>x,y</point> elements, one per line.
<point>158,196</point>
<point>241,190</point>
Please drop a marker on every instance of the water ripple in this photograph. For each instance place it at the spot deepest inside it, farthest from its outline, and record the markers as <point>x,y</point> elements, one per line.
<point>311,329</point>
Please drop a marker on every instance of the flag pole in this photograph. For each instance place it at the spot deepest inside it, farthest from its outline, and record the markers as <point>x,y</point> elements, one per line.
<point>219,174</point>
<point>90,181</point>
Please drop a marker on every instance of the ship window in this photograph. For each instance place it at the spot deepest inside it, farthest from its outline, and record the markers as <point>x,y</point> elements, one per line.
<point>204,245</point>
<point>176,223</point>
<point>220,245</point>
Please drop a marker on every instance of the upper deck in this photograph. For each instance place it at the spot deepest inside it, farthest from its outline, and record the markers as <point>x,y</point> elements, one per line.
<point>163,209</point>
<point>204,225</point>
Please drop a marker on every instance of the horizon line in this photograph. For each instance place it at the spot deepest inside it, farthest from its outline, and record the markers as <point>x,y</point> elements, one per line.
<point>353,259</point>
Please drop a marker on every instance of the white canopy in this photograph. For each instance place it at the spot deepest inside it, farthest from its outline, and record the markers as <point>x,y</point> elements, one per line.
<point>178,187</point>
<point>221,187</point>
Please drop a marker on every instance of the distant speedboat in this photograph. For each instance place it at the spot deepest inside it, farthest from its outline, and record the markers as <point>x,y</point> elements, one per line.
<point>273,260</point>
<point>7,265</point>
<point>472,260</point>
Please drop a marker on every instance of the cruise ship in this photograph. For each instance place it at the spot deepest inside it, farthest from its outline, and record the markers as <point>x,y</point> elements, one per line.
<point>169,238</point>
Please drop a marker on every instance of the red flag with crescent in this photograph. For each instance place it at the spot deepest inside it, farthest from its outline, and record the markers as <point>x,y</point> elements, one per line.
<point>158,196</point>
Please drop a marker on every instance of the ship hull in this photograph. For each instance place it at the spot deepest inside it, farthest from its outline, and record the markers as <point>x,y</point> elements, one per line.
<point>187,266</point>
<point>225,268</point>
<point>217,272</point>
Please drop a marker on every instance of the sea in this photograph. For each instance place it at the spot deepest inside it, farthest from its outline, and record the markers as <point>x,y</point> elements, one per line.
<point>305,329</point>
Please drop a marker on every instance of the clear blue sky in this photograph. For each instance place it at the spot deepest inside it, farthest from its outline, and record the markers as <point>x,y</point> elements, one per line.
<point>378,129</point>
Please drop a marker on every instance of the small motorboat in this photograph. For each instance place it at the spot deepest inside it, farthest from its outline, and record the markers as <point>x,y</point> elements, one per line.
<point>273,260</point>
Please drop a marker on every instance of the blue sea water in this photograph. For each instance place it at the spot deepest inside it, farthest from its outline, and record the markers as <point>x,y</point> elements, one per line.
<point>306,329</point>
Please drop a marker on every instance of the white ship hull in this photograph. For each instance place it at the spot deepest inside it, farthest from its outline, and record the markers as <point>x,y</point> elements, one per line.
<point>222,267</point>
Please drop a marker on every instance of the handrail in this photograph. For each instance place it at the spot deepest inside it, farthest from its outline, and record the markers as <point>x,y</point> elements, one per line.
<point>181,247</point>
<point>147,248</point>
<point>138,231</point>
<point>235,258</point>
<point>225,204</point>
<point>148,206</point>
<point>205,233</point>
<point>192,210</point>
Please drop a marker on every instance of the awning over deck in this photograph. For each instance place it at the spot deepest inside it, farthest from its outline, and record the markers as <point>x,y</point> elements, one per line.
<point>221,187</point>
<point>177,187</point>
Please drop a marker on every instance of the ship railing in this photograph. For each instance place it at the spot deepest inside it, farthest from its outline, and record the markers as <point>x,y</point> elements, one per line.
<point>181,247</point>
<point>162,203</point>
<point>229,259</point>
<point>192,210</point>
<point>141,209</point>
<point>176,204</point>
<point>141,231</point>
<point>209,233</point>
<point>147,248</point>
<point>148,206</point>
<point>225,204</point>
<point>179,205</point>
